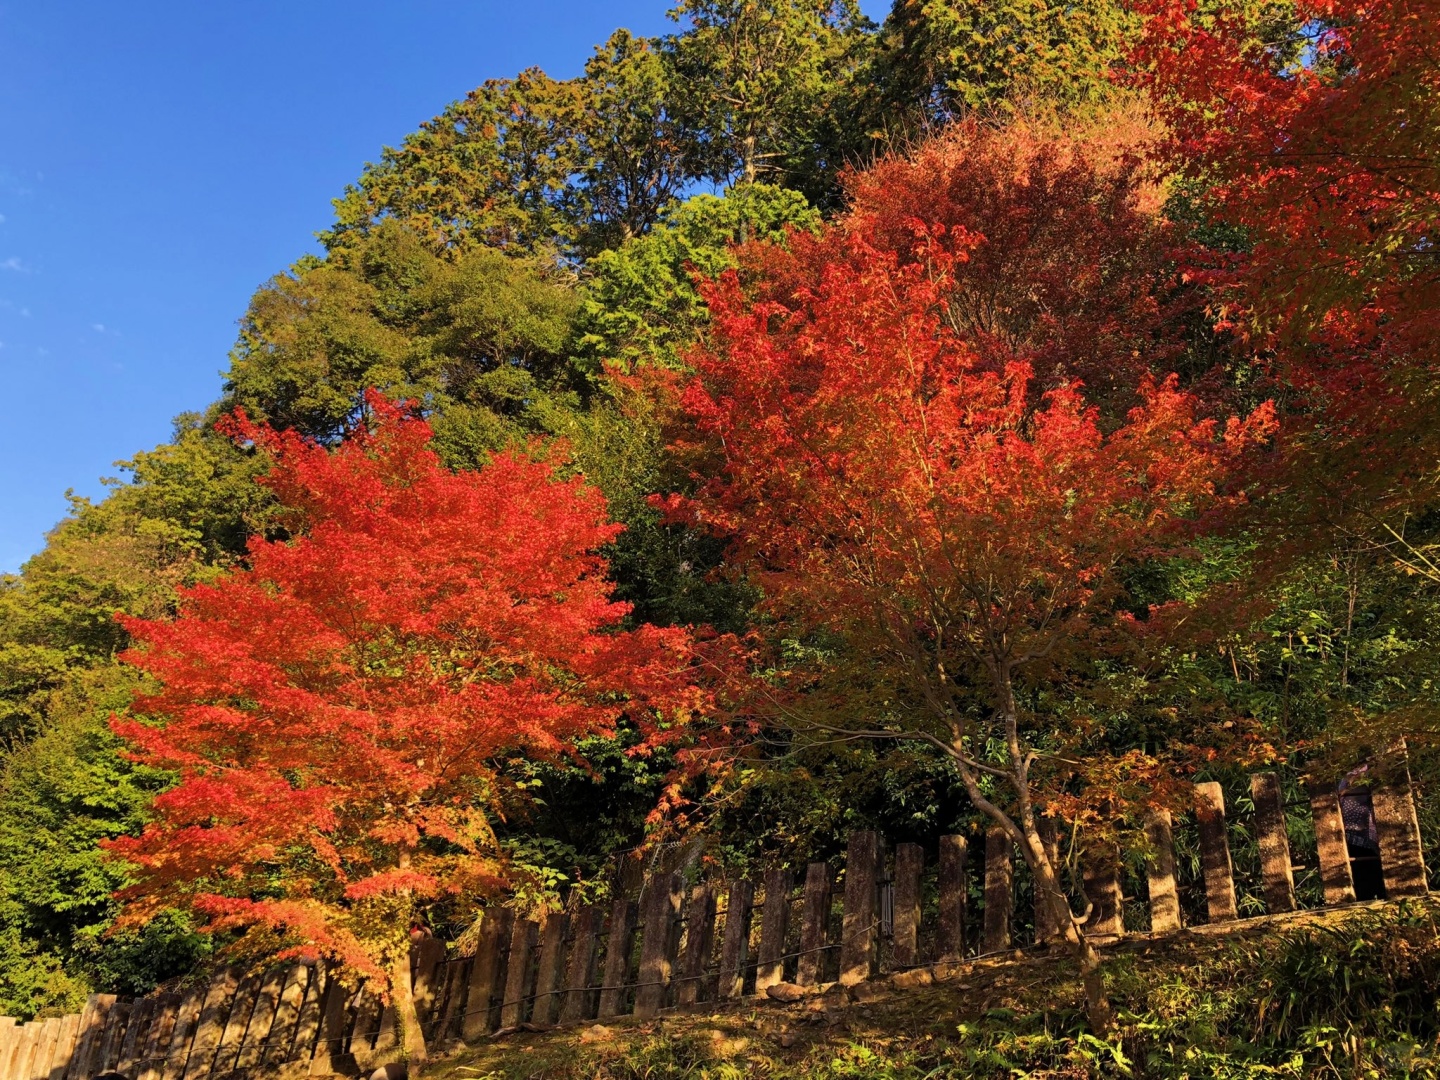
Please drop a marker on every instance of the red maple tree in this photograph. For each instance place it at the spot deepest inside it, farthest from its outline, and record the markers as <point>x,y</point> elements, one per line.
<point>891,476</point>
<point>338,711</point>
<point>1322,146</point>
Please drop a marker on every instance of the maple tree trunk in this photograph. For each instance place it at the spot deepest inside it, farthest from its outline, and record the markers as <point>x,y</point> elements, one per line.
<point>1047,883</point>
<point>402,992</point>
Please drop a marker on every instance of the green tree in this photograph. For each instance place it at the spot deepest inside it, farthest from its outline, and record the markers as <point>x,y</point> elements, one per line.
<point>755,78</point>
<point>480,337</point>
<point>641,306</point>
<point>490,170</point>
<point>936,58</point>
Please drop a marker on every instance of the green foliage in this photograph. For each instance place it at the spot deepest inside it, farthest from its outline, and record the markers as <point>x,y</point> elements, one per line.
<point>641,307</point>
<point>61,794</point>
<point>533,164</point>
<point>939,57</point>
<point>189,506</point>
<point>757,77</point>
<point>484,332</point>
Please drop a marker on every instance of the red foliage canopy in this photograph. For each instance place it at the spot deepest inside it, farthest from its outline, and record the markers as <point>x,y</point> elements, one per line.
<point>339,710</point>
<point>889,472</point>
<point>1060,256</point>
<point>1332,165</point>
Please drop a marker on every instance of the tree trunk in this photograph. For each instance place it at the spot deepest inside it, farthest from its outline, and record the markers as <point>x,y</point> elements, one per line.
<point>1047,884</point>
<point>402,993</point>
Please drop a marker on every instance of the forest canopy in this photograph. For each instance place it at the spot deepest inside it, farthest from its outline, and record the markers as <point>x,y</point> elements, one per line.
<point>995,414</point>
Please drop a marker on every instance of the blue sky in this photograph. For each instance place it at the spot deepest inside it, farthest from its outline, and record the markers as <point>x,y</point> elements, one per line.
<point>159,160</point>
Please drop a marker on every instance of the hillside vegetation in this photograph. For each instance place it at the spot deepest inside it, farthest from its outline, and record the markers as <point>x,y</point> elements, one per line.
<point>999,416</point>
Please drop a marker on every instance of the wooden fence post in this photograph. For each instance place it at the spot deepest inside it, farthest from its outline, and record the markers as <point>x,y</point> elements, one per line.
<point>1330,846</point>
<point>735,948</point>
<point>92,1025</point>
<point>255,1037</point>
<point>157,1042</point>
<point>1215,851</point>
<point>1402,860</point>
<point>65,1044</point>
<point>547,977</point>
<point>774,925</point>
<point>486,972</point>
<point>815,923</point>
<point>657,947</point>
<point>859,925</point>
<point>1047,923</point>
<point>618,943</point>
<point>953,894</point>
<point>287,1016</point>
<point>519,980</point>
<point>1160,873</point>
<point>699,944</point>
<point>905,940</point>
<point>999,890</point>
<point>1276,876</point>
<point>581,971</point>
<point>1100,868</point>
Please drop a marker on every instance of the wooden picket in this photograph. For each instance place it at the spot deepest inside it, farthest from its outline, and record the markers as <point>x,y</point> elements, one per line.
<point>582,965</point>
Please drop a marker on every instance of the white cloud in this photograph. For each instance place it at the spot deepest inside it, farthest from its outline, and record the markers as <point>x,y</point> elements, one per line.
<point>2,219</point>
<point>98,327</point>
<point>14,263</point>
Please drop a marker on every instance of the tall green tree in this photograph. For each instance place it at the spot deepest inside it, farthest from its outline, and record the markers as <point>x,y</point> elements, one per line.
<point>481,337</point>
<point>641,306</point>
<point>754,79</point>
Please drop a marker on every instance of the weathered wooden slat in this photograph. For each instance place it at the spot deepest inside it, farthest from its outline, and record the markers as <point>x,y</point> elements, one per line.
<point>457,979</point>
<point>92,1027</point>
<point>735,947</point>
<point>242,1005</point>
<point>426,956</point>
<point>1402,860</point>
<point>1277,879</point>
<point>211,1024</point>
<point>141,1014</point>
<point>551,969</point>
<point>22,1051</point>
<point>815,923</point>
<point>1330,846</point>
<point>278,1047</point>
<point>657,946</point>
<point>157,1042</point>
<point>520,977</point>
<point>619,939</point>
<point>1160,873</point>
<point>1215,852</point>
<point>116,1025</point>
<point>999,890</point>
<point>859,926</point>
<point>65,1048</point>
<point>699,944</point>
<point>369,1014</point>
<point>332,1019</point>
<point>580,972</point>
<point>1100,872</point>
<point>44,1049</point>
<point>950,882</point>
<point>905,943</point>
<point>774,926</point>
<point>306,1041</point>
<point>9,1032</point>
<point>486,974</point>
<point>177,1054</point>
<point>256,1041</point>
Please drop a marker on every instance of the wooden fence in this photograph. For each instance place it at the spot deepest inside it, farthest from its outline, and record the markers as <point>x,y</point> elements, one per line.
<point>676,944</point>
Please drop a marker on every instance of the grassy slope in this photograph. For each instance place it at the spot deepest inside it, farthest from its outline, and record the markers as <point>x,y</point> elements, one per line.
<point>1351,994</point>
